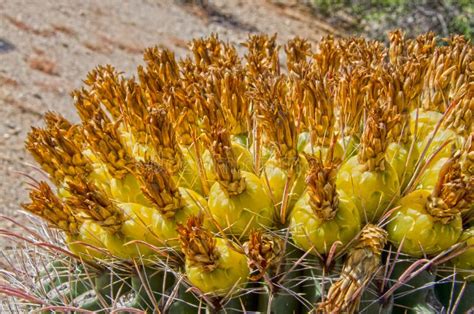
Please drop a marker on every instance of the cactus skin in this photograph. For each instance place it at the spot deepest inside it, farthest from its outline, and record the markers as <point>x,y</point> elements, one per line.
<point>149,292</point>
<point>85,288</point>
<point>465,261</point>
<point>185,302</point>
<point>452,291</point>
<point>414,293</point>
<point>282,301</point>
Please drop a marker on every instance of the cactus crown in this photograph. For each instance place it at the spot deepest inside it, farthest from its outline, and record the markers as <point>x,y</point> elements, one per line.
<point>201,158</point>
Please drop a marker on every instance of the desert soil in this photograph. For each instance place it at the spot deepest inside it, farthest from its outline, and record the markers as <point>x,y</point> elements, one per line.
<point>47,47</point>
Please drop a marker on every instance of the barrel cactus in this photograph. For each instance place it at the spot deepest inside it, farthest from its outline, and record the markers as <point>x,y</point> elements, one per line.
<point>340,181</point>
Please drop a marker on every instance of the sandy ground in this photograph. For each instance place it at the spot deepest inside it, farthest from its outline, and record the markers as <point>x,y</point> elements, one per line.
<point>47,47</point>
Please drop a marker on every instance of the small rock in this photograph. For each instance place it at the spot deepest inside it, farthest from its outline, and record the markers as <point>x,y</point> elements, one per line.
<point>6,46</point>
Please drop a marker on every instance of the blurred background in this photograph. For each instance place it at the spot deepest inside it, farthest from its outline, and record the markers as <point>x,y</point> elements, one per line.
<point>375,18</point>
<point>47,47</point>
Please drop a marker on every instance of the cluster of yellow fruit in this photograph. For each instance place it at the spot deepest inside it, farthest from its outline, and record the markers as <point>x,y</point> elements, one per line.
<point>355,146</point>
